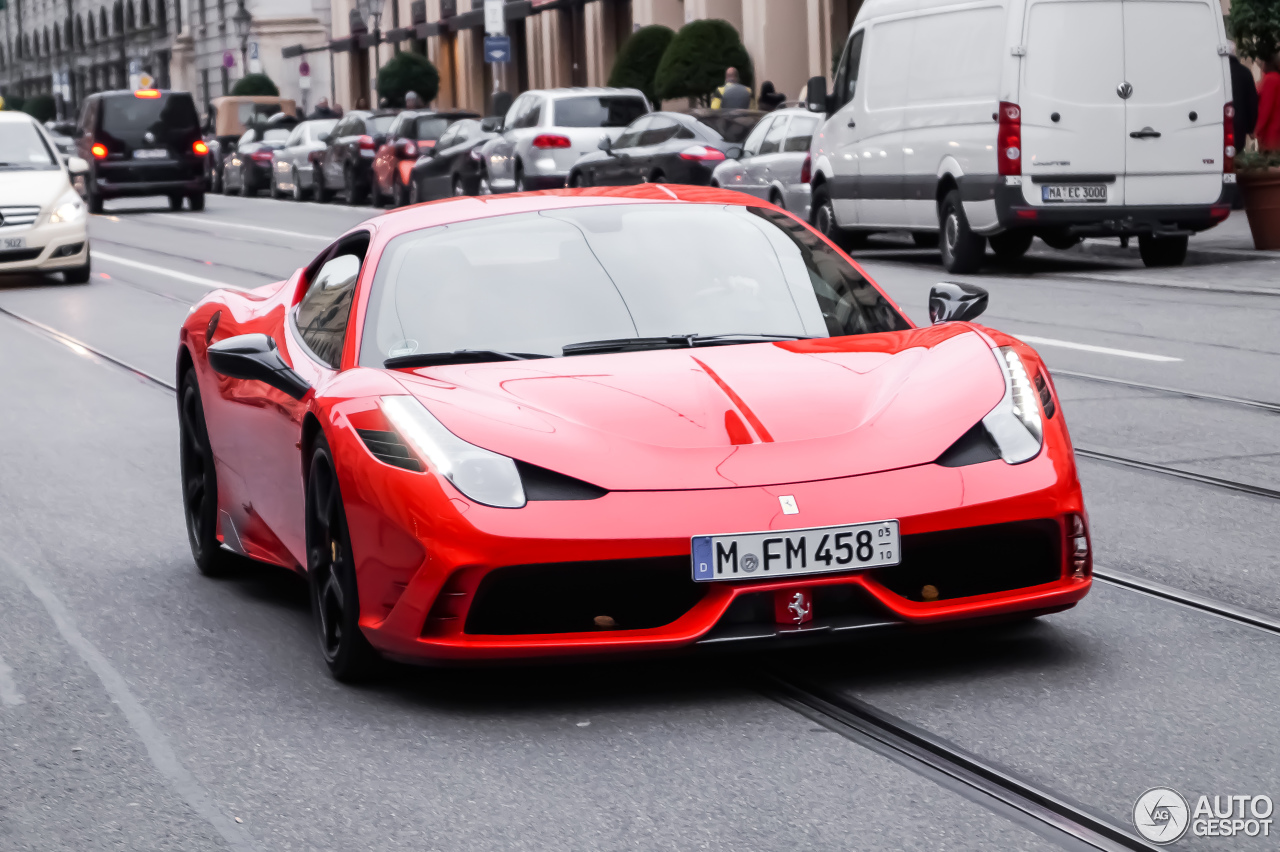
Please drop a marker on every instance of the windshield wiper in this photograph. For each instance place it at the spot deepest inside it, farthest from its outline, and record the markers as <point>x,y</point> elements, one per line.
<point>673,341</point>
<point>457,356</point>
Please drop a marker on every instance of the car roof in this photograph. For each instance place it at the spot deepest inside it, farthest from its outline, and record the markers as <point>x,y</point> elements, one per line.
<point>584,90</point>
<point>13,117</point>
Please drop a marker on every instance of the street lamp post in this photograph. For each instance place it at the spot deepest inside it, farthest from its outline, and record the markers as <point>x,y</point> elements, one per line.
<point>243,21</point>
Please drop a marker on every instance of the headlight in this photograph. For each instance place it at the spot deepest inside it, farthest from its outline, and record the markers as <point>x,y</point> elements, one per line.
<point>484,476</point>
<point>68,209</point>
<point>1015,423</point>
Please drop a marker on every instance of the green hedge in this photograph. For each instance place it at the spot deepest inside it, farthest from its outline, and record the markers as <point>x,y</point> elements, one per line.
<point>255,84</point>
<point>637,63</point>
<point>1255,25</point>
<point>408,72</point>
<point>694,63</point>
<point>40,107</point>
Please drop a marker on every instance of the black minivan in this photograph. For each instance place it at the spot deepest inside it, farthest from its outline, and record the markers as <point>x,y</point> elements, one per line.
<point>144,142</point>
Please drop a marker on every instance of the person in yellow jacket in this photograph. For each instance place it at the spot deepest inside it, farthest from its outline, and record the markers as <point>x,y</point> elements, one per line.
<point>732,95</point>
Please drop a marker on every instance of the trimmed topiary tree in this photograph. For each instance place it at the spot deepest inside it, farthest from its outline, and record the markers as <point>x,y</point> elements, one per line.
<point>1255,26</point>
<point>408,72</point>
<point>694,63</point>
<point>13,103</point>
<point>637,63</point>
<point>255,84</point>
<point>40,107</point>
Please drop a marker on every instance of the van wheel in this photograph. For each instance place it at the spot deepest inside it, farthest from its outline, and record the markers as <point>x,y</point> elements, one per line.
<point>196,201</point>
<point>962,249</point>
<point>823,218</point>
<point>1011,243</point>
<point>1162,251</point>
<point>175,202</point>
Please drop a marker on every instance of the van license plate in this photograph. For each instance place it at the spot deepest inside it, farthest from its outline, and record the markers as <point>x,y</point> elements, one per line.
<point>1075,193</point>
<point>151,154</point>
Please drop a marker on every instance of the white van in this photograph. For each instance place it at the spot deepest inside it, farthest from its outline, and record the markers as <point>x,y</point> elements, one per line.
<point>999,120</point>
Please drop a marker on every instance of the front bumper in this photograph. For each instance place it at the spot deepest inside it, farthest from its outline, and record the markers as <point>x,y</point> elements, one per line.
<point>49,248</point>
<point>425,608</point>
<point>1084,220</point>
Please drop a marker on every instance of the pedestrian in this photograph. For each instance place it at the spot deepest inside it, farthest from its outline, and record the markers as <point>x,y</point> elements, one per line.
<point>1267,131</point>
<point>412,101</point>
<point>769,98</point>
<point>361,103</point>
<point>322,110</point>
<point>732,95</point>
<point>1244,97</point>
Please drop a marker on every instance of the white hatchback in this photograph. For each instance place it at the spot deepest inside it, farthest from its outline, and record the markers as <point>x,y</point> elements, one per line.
<point>42,217</point>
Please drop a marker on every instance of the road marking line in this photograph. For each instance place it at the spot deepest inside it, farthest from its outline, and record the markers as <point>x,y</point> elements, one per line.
<point>9,694</point>
<point>299,234</point>
<point>172,273</point>
<point>153,738</point>
<point>1101,350</point>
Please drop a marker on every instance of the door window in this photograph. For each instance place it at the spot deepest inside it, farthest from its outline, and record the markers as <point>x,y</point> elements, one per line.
<point>800,133</point>
<point>846,83</point>
<point>326,306</point>
<point>659,130</point>
<point>530,113</point>
<point>631,136</point>
<point>450,137</point>
<point>295,137</point>
<point>752,146</point>
<point>772,143</point>
<point>513,113</point>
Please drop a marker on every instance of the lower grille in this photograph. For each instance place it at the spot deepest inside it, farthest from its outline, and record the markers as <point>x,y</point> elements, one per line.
<point>975,561</point>
<point>20,255</point>
<point>576,597</point>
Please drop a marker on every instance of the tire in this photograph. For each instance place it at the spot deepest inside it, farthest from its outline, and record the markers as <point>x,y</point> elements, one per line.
<point>95,203</point>
<point>519,178</point>
<point>1162,251</point>
<point>196,201</point>
<point>415,194</point>
<point>823,217</point>
<point>657,177</point>
<point>925,239</point>
<point>354,194</point>
<point>322,193</point>
<point>775,198</point>
<point>401,195</point>
<point>575,180</point>
<point>199,481</point>
<point>246,189</point>
<point>375,196</point>
<point>297,187</point>
<point>79,275</point>
<point>175,202</point>
<point>962,249</point>
<point>335,598</point>
<point>1011,244</point>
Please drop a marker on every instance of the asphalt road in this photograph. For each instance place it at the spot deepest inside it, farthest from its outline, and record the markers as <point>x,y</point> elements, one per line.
<point>145,707</point>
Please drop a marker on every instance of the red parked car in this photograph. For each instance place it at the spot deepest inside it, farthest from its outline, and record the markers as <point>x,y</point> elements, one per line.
<point>413,135</point>
<point>562,441</point>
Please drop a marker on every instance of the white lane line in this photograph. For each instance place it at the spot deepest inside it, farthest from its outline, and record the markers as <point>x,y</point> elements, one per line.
<point>171,273</point>
<point>1101,350</point>
<point>223,224</point>
<point>9,694</point>
<point>153,738</point>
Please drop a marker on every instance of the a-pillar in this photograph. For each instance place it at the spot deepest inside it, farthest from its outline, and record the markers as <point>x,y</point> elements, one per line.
<point>776,37</point>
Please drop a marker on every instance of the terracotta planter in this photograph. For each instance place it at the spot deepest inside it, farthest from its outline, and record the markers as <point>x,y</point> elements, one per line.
<point>1261,191</point>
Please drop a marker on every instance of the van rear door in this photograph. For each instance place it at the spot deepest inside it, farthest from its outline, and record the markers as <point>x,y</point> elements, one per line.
<point>1179,90</point>
<point>1073,119</point>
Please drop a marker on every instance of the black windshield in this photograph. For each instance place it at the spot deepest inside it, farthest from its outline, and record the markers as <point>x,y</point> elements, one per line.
<point>170,119</point>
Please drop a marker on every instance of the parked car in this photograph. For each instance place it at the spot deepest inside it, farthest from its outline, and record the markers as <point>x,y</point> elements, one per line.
<point>249,167</point>
<point>661,147</point>
<point>735,125</point>
<point>345,163</point>
<point>42,217</point>
<point>951,121</point>
<point>229,117</point>
<point>453,166</point>
<point>412,134</point>
<point>775,161</point>
<point>292,170</point>
<point>546,131</point>
<point>141,143</point>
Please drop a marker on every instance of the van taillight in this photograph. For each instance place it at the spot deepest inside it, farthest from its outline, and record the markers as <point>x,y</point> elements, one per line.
<point>806,169</point>
<point>99,151</point>
<point>366,143</point>
<point>198,147</point>
<point>1229,139</point>
<point>1009,139</point>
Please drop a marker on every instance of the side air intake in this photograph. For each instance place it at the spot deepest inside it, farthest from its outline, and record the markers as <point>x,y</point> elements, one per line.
<point>388,448</point>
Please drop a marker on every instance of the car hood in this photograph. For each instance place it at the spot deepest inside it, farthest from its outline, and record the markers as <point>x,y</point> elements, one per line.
<point>729,416</point>
<point>41,188</point>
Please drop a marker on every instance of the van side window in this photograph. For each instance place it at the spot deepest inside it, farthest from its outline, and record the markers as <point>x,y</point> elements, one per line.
<point>326,306</point>
<point>846,83</point>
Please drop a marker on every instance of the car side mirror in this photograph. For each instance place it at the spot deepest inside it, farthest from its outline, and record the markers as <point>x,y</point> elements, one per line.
<point>605,144</point>
<point>77,166</point>
<point>734,152</point>
<point>255,357</point>
<point>491,124</point>
<point>950,302</point>
<point>816,95</point>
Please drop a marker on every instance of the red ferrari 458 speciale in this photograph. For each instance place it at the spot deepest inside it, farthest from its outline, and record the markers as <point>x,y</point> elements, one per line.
<point>640,419</point>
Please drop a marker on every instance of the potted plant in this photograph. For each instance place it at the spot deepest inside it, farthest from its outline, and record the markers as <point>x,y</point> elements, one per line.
<point>1255,25</point>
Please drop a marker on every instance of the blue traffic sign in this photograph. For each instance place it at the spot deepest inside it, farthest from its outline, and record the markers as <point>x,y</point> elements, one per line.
<point>497,48</point>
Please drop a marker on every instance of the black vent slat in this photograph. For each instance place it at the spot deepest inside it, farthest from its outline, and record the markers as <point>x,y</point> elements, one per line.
<point>973,447</point>
<point>542,484</point>
<point>389,449</point>
<point>380,448</point>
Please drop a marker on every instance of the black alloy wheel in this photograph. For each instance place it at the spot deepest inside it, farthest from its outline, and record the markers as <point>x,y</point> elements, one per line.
<point>196,201</point>
<point>962,249</point>
<point>199,481</point>
<point>1011,244</point>
<point>297,187</point>
<point>175,202</point>
<point>335,600</point>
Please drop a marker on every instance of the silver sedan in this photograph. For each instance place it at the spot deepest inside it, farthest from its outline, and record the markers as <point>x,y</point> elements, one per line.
<point>774,161</point>
<point>291,167</point>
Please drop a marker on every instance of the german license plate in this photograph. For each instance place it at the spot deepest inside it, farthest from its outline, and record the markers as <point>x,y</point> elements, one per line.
<point>150,154</point>
<point>794,553</point>
<point>1074,193</point>
<point>11,243</point>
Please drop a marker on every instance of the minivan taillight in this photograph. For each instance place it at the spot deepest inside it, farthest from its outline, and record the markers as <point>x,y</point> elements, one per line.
<point>198,147</point>
<point>1229,139</point>
<point>1009,139</point>
<point>99,151</point>
<point>366,143</point>
<point>806,169</point>
<point>551,140</point>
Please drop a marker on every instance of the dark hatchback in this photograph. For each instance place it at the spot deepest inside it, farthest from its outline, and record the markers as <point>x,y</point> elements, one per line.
<point>660,147</point>
<point>142,143</point>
